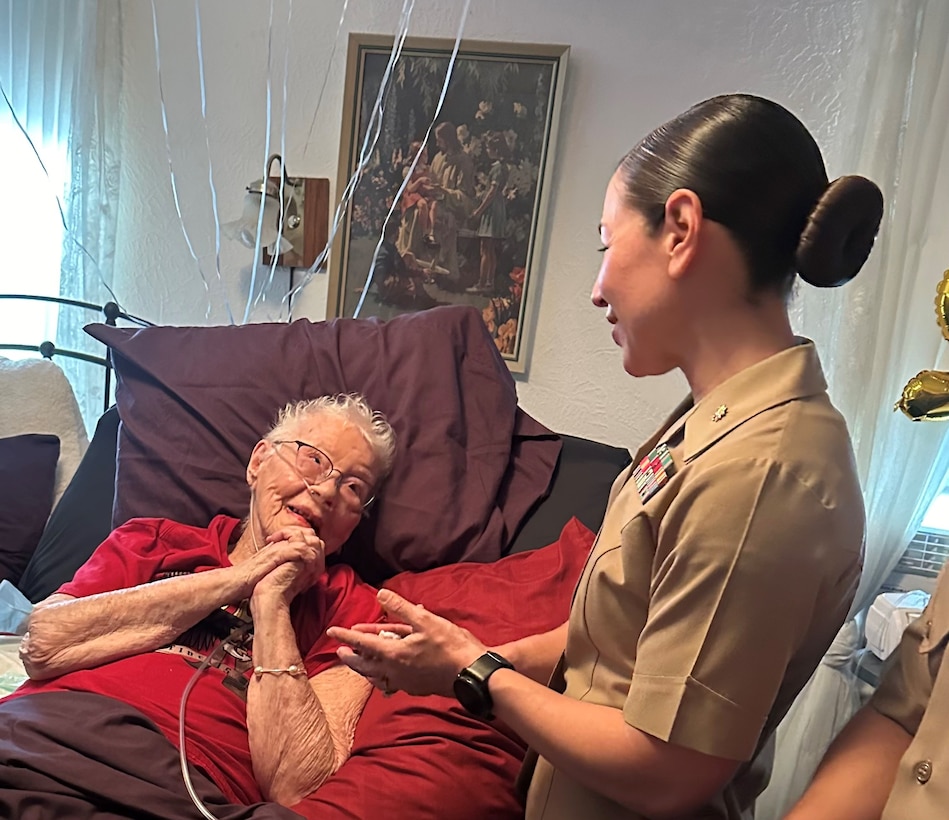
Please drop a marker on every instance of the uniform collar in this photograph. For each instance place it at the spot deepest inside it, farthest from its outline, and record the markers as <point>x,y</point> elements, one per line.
<point>791,374</point>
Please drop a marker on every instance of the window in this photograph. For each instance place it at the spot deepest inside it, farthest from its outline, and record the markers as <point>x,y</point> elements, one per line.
<point>937,516</point>
<point>32,233</point>
<point>927,552</point>
<point>40,46</point>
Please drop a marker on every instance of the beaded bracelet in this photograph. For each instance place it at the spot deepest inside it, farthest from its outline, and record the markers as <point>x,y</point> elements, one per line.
<point>294,670</point>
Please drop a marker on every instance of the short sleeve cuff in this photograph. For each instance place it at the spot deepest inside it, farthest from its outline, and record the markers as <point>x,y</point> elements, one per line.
<point>685,712</point>
<point>894,698</point>
<point>907,680</point>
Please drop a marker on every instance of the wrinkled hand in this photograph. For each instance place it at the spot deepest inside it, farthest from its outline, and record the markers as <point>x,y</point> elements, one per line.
<point>261,564</point>
<point>424,661</point>
<point>303,562</point>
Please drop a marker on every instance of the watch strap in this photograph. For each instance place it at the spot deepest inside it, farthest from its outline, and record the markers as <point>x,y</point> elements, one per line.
<point>471,685</point>
<point>485,666</point>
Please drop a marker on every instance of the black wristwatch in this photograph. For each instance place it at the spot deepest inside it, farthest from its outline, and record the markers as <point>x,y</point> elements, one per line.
<point>471,685</point>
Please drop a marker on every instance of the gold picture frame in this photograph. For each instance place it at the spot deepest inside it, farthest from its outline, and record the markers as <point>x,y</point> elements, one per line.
<point>470,222</point>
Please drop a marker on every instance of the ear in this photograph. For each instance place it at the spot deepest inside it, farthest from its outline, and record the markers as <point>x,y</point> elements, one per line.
<point>256,458</point>
<point>682,228</point>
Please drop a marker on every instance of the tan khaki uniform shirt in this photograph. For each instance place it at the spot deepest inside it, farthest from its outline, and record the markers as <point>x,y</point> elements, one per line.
<point>915,693</point>
<point>703,611</point>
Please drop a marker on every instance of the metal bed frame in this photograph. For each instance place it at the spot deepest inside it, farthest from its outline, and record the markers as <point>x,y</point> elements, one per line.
<point>110,311</point>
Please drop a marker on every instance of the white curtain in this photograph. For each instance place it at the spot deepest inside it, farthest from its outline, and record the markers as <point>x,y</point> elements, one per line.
<point>92,195</point>
<point>60,69</point>
<point>877,332</point>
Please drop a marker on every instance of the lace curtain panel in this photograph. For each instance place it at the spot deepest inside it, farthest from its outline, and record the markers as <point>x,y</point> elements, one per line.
<point>60,69</point>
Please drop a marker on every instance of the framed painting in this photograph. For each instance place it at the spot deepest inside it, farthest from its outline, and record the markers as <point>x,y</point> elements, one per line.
<point>448,200</point>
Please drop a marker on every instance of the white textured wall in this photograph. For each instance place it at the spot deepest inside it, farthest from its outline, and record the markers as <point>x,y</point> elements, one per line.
<point>633,64</point>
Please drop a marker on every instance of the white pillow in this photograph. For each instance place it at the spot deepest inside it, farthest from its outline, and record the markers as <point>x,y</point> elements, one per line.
<point>36,397</point>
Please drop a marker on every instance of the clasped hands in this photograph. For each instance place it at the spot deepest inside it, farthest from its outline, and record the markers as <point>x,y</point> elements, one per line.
<point>291,560</point>
<point>425,660</point>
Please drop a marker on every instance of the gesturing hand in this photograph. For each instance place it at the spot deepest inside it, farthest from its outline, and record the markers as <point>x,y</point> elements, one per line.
<point>425,661</point>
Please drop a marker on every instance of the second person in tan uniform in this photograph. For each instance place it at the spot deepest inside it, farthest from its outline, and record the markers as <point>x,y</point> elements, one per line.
<point>892,760</point>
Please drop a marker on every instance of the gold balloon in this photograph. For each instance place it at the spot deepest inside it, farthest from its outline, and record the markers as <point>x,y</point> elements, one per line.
<point>942,305</point>
<point>926,396</point>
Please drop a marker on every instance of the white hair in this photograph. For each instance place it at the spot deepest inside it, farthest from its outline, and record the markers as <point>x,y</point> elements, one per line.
<point>353,408</point>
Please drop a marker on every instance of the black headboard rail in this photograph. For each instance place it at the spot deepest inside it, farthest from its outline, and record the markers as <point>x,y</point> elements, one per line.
<point>110,310</point>
<point>47,350</point>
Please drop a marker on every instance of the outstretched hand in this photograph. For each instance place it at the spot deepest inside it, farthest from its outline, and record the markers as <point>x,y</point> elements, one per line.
<point>424,660</point>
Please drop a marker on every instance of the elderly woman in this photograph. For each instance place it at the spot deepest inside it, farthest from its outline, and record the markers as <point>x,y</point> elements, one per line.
<point>116,654</point>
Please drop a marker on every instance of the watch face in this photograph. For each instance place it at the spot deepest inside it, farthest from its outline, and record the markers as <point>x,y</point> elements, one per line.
<point>471,685</point>
<point>471,695</point>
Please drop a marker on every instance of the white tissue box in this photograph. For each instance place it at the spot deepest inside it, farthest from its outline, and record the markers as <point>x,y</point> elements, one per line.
<point>888,618</point>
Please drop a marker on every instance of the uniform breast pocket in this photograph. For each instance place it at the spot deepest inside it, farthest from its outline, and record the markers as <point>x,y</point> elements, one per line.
<point>617,591</point>
<point>638,553</point>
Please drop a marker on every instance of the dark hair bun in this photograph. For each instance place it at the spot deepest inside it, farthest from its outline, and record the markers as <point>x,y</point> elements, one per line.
<point>840,231</point>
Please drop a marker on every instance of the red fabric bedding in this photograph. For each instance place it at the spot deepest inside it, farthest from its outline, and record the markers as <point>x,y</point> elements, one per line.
<point>426,758</point>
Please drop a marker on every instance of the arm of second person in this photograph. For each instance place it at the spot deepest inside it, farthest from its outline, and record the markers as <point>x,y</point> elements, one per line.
<point>592,743</point>
<point>536,655</point>
<point>857,773</point>
<point>595,746</point>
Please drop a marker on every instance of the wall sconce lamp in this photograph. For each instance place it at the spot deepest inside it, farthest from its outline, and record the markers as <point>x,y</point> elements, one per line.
<point>296,229</point>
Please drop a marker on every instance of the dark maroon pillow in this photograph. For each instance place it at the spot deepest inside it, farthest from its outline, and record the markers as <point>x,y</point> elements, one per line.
<point>427,757</point>
<point>27,481</point>
<point>470,463</point>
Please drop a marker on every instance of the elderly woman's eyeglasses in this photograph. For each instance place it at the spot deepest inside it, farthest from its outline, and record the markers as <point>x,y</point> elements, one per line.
<point>315,467</point>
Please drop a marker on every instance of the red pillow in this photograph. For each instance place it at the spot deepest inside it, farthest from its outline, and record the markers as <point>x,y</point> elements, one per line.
<point>426,757</point>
